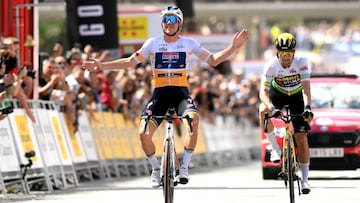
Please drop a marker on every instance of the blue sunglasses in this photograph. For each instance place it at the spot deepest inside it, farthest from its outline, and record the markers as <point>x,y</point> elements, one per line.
<point>172,19</point>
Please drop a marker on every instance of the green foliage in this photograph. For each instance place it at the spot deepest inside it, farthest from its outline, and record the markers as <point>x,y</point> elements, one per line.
<point>52,31</point>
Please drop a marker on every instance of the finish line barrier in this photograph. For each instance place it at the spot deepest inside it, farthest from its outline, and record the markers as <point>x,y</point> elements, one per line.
<point>51,154</point>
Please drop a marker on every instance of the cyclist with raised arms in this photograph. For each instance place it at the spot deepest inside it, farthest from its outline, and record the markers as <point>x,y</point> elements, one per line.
<point>169,56</point>
<point>286,81</point>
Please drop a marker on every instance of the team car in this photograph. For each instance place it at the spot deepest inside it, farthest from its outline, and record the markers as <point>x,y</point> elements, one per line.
<point>334,139</point>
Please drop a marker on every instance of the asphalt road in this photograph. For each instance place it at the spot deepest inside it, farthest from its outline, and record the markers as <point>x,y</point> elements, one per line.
<point>240,183</point>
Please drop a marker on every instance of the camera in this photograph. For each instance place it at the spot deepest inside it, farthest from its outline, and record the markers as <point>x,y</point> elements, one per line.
<point>30,154</point>
<point>7,110</point>
<point>30,73</point>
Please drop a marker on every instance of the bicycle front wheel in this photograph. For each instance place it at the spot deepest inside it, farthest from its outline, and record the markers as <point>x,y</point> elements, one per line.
<point>290,164</point>
<point>168,184</point>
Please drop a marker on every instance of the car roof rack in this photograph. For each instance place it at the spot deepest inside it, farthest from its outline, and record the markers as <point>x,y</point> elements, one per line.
<point>335,75</point>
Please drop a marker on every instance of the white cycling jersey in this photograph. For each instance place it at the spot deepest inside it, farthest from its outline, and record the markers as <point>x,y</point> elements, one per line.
<point>286,80</point>
<point>170,61</point>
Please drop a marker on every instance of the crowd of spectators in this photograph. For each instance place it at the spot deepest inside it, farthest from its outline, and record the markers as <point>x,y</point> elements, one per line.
<point>127,91</point>
<point>15,82</point>
<point>61,78</point>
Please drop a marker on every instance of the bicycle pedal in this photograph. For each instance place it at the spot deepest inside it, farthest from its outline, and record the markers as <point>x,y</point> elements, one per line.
<point>296,177</point>
<point>183,181</point>
<point>283,175</point>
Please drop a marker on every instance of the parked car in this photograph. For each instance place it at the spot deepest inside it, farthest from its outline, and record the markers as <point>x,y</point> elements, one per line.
<point>334,139</point>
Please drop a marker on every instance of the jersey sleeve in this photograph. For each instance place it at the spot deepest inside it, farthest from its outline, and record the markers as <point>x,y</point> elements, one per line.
<point>267,75</point>
<point>199,51</point>
<point>142,54</point>
<point>305,69</point>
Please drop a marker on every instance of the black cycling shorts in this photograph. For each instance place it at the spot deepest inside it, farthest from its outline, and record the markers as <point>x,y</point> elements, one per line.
<point>169,97</point>
<point>296,104</point>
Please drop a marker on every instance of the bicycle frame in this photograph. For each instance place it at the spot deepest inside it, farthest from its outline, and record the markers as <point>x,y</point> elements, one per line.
<point>289,167</point>
<point>170,163</point>
<point>288,143</point>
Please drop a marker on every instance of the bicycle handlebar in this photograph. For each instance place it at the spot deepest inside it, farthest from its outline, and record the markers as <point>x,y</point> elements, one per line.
<point>287,117</point>
<point>169,117</point>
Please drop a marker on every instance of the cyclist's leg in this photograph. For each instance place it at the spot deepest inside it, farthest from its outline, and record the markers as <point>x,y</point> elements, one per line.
<point>149,149</point>
<point>300,128</point>
<point>148,146</point>
<point>304,160</point>
<point>188,107</point>
<point>190,139</point>
<point>147,143</point>
<point>153,107</point>
<point>275,154</point>
<point>277,99</point>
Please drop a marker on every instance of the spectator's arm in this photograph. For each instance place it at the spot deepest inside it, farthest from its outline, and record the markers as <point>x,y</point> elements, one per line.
<point>45,89</point>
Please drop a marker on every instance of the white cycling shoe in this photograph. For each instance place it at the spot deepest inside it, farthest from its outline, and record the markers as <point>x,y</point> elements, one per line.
<point>275,155</point>
<point>305,187</point>
<point>183,176</point>
<point>155,178</point>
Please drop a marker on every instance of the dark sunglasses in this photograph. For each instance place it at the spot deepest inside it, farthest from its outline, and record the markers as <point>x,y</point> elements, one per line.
<point>172,19</point>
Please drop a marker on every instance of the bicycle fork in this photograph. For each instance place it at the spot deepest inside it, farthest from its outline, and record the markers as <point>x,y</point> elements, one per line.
<point>174,161</point>
<point>284,172</point>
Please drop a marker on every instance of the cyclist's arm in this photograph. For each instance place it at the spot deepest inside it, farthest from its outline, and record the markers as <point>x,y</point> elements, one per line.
<point>95,65</point>
<point>264,97</point>
<point>239,40</point>
<point>307,93</point>
<point>122,63</point>
<point>265,84</point>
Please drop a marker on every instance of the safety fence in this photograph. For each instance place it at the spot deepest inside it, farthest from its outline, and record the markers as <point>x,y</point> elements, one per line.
<point>50,154</point>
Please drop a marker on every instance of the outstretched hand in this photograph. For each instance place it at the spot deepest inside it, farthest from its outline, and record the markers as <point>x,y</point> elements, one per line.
<point>240,38</point>
<point>92,65</point>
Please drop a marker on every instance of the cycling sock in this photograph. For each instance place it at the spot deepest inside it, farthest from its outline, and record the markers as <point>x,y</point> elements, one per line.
<point>304,168</point>
<point>272,139</point>
<point>186,158</point>
<point>153,161</point>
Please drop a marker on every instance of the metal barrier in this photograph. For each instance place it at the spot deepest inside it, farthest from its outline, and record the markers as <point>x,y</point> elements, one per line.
<point>105,146</point>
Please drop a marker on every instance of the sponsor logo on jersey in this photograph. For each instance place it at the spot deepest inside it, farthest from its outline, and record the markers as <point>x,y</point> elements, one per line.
<point>288,81</point>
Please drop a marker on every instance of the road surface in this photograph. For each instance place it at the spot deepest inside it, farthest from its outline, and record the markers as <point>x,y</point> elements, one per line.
<point>241,183</point>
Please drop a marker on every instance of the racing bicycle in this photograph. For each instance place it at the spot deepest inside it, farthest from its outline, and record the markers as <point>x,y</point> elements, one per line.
<point>289,167</point>
<point>170,163</point>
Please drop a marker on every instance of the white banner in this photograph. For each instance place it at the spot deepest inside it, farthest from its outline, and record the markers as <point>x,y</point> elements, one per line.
<point>25,139</point>
<point>8,156</point>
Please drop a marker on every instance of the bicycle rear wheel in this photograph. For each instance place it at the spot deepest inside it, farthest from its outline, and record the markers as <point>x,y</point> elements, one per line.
<point>290,163</point>
<point>168,184</point>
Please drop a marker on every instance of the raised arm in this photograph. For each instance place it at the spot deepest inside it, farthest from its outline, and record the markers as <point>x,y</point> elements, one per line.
<point>239,40</point>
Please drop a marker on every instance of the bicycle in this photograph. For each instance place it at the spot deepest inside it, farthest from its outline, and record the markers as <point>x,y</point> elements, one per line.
<point>289,167</point>
<point>170,163</point>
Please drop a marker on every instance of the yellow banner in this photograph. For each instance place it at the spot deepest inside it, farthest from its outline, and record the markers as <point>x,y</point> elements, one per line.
<point>73,139</point>
<point>133,27</point>
<point>24,133</point>
<point>123,135</point>
<point>59,137</point>
<point>113,134</point>
<point>103,136</point>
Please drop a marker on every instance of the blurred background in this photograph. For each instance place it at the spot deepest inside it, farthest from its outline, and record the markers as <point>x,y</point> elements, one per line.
<point>327,30</point>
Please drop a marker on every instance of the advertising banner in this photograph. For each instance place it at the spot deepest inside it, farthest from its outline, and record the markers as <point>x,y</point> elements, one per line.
<point>92,22</point>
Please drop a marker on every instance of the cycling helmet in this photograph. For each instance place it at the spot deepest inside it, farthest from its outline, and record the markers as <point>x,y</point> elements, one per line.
<point>172,10</point>
<point>285,42</point>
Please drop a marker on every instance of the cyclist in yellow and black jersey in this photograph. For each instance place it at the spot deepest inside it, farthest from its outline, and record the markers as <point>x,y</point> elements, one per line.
<point>286,81</point>
<point>169,57</point>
